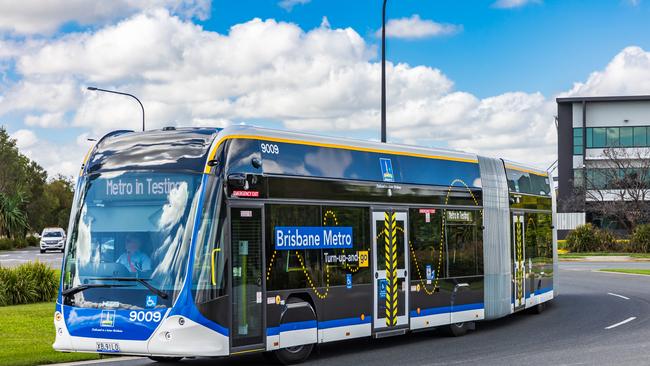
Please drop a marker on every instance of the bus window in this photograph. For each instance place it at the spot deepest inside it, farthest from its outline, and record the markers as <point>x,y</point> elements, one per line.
<point>426,244</point>
<point>355,262</point>
<point>209,276</point>
<point>464,238</point>
<point>291,269</point>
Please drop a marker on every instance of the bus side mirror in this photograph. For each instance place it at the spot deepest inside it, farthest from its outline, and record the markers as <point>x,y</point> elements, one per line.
<point>256,163</point>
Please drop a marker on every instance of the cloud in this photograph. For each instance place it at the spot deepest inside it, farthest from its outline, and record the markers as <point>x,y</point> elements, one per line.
<point>509,4</point>
<point>415,28</point>
<point>45,120</point>
<point>321,80</point>
<point>289,4</point>
<point>35,16</point>
<point>24,138</point>
<point>628,73</point>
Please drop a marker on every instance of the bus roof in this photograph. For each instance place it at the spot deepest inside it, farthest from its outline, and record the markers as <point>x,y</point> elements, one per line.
<point>169,149</point>
<point>252,132</point>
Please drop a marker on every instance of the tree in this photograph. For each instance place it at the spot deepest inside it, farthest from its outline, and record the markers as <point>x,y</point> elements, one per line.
<point>617,186</point>
<point>13,220</point>
<point>25,189</point>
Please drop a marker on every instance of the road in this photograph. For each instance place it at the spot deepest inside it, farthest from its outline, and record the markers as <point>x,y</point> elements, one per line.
<point>17,257</point>
<point>579,327</point>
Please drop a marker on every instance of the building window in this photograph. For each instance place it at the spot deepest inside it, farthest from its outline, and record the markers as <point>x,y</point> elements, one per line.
<point>640,136</point>
<point>578,147</point>
<point>578,178</point>
<point>613,137</point>
<point>626,136</point>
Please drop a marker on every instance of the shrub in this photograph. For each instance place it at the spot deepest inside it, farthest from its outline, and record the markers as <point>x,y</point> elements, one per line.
<point>27,283</point>
<point>6,244</point>
<point>33,241</point>
<point>587,238</point>
<point>640,239</point>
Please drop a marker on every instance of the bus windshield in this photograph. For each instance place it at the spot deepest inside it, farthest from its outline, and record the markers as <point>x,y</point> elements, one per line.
<point>130,239</point>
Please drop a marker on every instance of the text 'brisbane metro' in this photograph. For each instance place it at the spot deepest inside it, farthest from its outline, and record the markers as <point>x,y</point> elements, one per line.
<point>313,237</point>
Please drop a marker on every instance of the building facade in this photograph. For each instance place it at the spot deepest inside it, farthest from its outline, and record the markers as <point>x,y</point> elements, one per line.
<point>590,131</point>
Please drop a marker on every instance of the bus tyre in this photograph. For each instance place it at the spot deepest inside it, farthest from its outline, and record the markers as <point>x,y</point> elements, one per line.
<point>293,355</point>
<point>539,308</point>
<point>458,329</point>
<point>165,359</point>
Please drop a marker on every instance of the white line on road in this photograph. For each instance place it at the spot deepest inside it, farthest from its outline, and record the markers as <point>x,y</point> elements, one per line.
<point>617,295</point>
<point>621,323</point>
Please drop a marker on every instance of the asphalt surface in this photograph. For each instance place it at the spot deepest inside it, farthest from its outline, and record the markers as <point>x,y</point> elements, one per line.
<point>572,331</point>
<point>17,257</point>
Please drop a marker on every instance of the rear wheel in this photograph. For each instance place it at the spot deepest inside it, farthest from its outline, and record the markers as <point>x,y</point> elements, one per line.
<point>539,308</point>
<point>458,329</point>
<point>165,359</point>
<point>293,355</point>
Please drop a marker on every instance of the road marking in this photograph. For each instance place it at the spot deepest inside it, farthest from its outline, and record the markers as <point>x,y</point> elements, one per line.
<point>621,323</point>
<point>617,295</point>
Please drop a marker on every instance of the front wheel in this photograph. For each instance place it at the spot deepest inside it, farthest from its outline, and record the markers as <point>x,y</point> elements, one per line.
<point>165,359</point>
<point>293,355</point>
<point>42,251</point>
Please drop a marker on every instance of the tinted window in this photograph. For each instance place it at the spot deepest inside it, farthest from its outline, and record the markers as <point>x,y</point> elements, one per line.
<point>426,243</point>
<point>626,136</point>
<point>358,219</point>
<point>640,137</point>
<point>316,161</point>
<point>524,182</point>
<point>464,242</point>
<point>290,269</point>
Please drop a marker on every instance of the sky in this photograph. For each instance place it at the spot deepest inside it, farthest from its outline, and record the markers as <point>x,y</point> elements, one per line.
<point>473,75</point>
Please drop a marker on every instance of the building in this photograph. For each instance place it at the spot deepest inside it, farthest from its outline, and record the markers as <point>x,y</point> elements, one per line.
<point>587,127</point>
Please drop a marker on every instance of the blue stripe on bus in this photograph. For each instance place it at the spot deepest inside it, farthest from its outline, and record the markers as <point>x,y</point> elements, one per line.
<point>543,290</point>
<point>343,322</point>
<point>286,327</point>
<point>447,309</point>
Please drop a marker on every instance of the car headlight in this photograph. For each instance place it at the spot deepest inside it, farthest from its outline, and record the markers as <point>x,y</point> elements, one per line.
<point>61,242</point>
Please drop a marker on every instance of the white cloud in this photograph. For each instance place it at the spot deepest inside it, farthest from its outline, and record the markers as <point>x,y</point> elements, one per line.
<point>415,27</point>
<point>628,73</point>
<point>45,120</point>
<point>322,80</point>
<point>289,4</point>
<point>508,4</point>
<point>24,138</point>
<point>36,16</point>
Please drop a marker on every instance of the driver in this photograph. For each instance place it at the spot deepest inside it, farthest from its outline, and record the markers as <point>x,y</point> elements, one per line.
<point>133,259</point>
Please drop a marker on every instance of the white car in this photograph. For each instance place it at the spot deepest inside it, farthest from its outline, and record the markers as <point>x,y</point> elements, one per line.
<point>53,238</point>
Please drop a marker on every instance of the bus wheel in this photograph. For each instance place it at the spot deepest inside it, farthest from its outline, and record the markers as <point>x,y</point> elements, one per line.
<point>293,355</point>
<point>539,308</point>
<point>165,359</point>
<point>458,329</point>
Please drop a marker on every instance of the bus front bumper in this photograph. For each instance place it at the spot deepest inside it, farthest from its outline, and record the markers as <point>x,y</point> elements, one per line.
<point>173,337</point>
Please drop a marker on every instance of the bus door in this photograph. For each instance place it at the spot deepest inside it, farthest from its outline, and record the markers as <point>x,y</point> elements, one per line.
<point>518,261</point>
<point>247,325</point>
<point>389,258</point>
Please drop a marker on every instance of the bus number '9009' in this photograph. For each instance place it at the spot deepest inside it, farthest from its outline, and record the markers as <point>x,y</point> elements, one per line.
<point>145,316</point>
<point>270,149</point>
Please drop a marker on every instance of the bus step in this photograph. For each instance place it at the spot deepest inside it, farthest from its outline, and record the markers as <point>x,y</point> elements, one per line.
<point>391,333</point>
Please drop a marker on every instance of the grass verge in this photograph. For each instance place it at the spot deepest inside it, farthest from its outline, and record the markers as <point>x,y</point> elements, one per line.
<point>29,334</point>
<point>629,271</point>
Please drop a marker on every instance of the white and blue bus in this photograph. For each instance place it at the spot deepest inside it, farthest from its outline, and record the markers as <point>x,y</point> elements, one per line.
<point>216,242</point>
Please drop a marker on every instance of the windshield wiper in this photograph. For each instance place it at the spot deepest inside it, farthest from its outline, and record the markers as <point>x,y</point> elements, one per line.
<point>76,289</point>
<point>142,281</point>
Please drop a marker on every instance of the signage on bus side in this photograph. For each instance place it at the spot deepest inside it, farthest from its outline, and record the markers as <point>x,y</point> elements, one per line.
<point>313,237</point>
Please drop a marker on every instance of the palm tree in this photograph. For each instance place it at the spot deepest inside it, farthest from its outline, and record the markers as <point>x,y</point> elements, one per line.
<point>13,220</point>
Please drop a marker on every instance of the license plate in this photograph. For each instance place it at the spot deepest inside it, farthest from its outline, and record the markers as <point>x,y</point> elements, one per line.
<point>108,347</point>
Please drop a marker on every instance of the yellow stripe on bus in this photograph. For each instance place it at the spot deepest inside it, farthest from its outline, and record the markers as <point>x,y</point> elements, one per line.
<point>208,168</point>
<point>508,166</point>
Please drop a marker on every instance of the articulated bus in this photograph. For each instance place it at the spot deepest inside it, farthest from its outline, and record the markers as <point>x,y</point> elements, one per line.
<point>191,242</point>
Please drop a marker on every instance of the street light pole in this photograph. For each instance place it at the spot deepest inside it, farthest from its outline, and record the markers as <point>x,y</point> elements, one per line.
<point>92,88</point>
<point>383,73</point>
